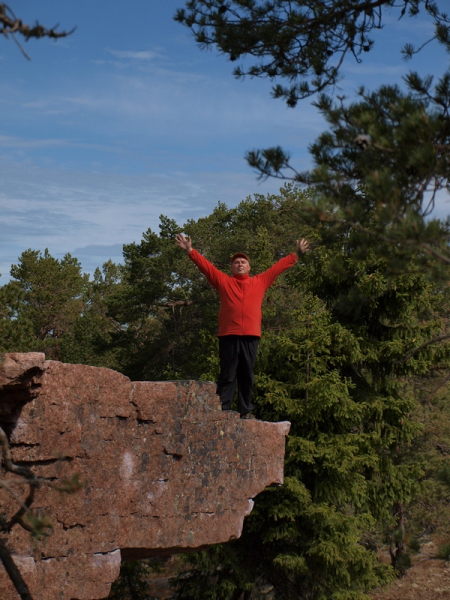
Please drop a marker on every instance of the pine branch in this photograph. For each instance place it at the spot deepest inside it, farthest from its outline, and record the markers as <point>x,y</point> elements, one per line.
<point>435,340</point>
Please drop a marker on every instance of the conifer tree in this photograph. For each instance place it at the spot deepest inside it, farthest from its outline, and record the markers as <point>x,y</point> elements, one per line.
<point>91,340</point>
<point>132,583</point>
<point>41,303</point>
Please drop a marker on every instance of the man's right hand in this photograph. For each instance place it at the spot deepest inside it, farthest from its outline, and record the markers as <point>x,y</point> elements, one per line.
<point>301,246</point>
<point>184,243</point>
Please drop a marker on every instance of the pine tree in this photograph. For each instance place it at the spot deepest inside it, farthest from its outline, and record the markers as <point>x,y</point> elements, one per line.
<point>41,303</point>
<point>91,340</point>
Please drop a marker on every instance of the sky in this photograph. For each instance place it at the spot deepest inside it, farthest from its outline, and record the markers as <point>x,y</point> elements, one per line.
<point>127,119</point>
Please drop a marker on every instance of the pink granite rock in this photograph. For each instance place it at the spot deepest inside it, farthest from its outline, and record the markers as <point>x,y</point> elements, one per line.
<point>164,470</point>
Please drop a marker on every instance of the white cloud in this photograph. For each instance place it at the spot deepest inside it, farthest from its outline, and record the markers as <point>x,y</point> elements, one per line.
<point>420,25</point>
<point>168,107</point>
<point>10,141</point>
<point>135,54</point>
<point>69,211</point>
<point>367,68</point>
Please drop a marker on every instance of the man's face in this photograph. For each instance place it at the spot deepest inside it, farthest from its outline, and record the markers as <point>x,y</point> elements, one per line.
<point>240,266</point>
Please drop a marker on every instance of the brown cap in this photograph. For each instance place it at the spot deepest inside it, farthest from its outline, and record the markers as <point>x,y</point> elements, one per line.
<point>239,255</point>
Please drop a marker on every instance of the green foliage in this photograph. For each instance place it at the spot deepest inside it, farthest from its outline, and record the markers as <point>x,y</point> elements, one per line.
<point>70,485</point>
<point>50,306</point>
<point>91,340</point>
<point>164,307</point>
<point>429,514</point>
<point>443,473</point>
<point>41,303</point>
<point>15,334</point>
<point>444,552</point>
<point>132,583</point>
<point>220,573</point>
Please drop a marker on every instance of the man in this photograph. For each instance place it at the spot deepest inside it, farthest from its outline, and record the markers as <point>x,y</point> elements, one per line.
<point>241,298</point>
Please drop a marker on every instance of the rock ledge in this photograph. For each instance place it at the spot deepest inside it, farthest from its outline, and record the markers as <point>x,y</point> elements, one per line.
<point>165,470</point>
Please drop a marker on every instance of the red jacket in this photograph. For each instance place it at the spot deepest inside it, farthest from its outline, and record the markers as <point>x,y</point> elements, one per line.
<point>241,296</point>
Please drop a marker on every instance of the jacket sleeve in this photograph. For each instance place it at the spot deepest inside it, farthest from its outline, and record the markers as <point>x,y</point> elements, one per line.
<point>269,276</point>
<point>213,275</point>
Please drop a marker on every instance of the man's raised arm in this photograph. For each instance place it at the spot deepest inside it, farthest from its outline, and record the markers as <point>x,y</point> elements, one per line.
<point>213,275</point>
<point>269,276</point>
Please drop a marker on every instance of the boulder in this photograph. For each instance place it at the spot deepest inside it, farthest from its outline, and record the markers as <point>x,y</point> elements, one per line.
<point>164,470</point>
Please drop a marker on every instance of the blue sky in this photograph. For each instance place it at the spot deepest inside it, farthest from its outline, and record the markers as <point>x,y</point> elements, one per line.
<point>126,119</point>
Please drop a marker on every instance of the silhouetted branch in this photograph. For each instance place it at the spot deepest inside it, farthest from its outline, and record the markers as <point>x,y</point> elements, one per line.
<point>10,25</point>
<point>18,517</point>
<point>14,573</point>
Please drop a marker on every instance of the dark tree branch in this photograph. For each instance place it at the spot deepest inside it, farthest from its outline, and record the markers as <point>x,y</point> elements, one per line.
<point>10,25</point>
<point>33,483</point>
<point>7,460</point>
<point>14,573</point>
<point>29,478</point>
<point>303,42</point>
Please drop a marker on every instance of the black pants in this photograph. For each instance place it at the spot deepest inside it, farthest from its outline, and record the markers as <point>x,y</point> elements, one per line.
<point>237,354</point>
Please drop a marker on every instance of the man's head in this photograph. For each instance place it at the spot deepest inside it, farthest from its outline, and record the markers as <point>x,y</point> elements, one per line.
<point>240,264</point>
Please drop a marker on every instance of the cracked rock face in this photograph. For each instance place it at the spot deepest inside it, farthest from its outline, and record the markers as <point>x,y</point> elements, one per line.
<point>164,470</point>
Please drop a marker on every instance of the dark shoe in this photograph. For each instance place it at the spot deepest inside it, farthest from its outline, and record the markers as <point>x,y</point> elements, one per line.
<point>249,415</point>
